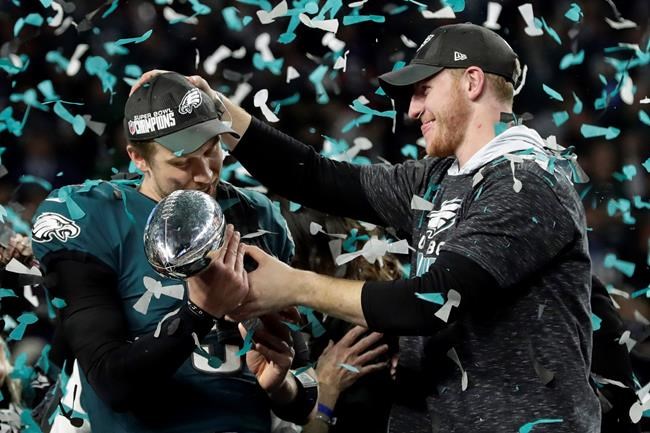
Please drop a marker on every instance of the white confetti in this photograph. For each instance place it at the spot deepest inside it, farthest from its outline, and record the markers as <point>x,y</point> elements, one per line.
<point>645,100</point>
<point>329,40</point>
<point>258,233</point>
<point>418,203</point>
<point>445,13</point>
<point>621,24</point>
<point>268,17</point>
<point>493,12</point>
<point>75,64</point>
<point>627,90</point>
<point>259,100</point>
<point>292,73</point>
<point>453,300</point>
<point>211,62</point>
<point>171,15</point>
<point>342,62</point>
<point>262,45</point>
<point>627,340</point>
<point>526,11</point>
<point>57,19</point>
<point>409,43</point>
<point>154,288</point>
<point>454,357</point>
<point>327,25</point>
<point>243,89</point>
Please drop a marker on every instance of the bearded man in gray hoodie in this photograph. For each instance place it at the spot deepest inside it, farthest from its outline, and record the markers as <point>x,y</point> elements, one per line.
<point>495,319</point>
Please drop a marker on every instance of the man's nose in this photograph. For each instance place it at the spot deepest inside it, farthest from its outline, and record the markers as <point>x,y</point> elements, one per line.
<point>416,107</point>
<point>202,171</point>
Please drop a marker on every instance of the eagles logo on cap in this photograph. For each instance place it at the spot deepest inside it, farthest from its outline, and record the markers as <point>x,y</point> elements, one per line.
<point>191,100</point>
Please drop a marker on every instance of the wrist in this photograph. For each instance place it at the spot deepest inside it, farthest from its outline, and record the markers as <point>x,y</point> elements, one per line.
<point>328,394</point>
<point>302,295</point>
<point>285,391</point>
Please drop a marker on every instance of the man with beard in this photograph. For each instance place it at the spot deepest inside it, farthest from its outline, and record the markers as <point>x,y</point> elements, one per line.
<point>155,354</point>
<point>496,311</point>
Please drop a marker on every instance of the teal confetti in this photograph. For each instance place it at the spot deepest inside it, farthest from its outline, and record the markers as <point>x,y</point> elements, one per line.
<point>117,47</point>
<point>560,117</point>
<point>455,5</point>
<point>317,328</point>
<point>331,8</point>
<point>47,89</point>
<point>7,293</point>
<point>28,178</point>
<point>624,267</point>
<point>646,165</point>
<point>59,303</point>
<point>595,322</point>
<point>24,320</point>
<point>535,220</point>
<point>590,131</point>
<point>621,205</point>
<point>134,71</point>
<point>248,343</point>
<point>8,66</point>
<point>199,8</point>
<point>3,214</point>
<point>643,117</point>
<point>602,79</point>
<point>316,78</point>
<point>292,326</point>
<point>552,93</point>
<point>75,212</point>
<point>577,107</point>
<point>349,20</point>
<point>500,127</point>
<point>349,367</point>
<point>541,23</point>
<point>98,66</point>
<point>435,298</point>
<point>44,361</point>
<point>231,16</point>
<point>629,171</point>
<point>572,59</point>
<point>574,13</point>
<point>78,123</point>
<point>641,292</point>
<point>32,19</point>
<point>398,10</point>
<point>410,151</point>
<point>302,369</point>
<point>294,207</point>
<point>291,100</point>
<point>640,204</point>
<point>528,427</point>
<point>368,114</point>
<point>275,66</point>
<point>111,9</point>
<point>57,58</point>
<point>28,423</point>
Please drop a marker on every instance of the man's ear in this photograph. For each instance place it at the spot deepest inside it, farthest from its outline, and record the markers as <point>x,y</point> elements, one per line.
<point>138,158</point>
<point>475,82</point>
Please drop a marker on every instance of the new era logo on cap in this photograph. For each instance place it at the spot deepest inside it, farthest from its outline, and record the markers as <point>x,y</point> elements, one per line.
<point>459,56</point>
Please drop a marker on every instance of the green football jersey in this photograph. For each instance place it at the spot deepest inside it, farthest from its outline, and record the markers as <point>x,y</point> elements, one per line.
<point>107,220</point>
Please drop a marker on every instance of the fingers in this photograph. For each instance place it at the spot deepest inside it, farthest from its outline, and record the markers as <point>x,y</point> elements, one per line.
<point>256,253</point>
<point>372,368</point>
<point>352,335</point>
<point>273,341</point>
<point>239,262</point>
<point>221,252</point>
<point>144,78</point>
<point>366,342</point>
<point>231,255</point>
<point>368,356</point>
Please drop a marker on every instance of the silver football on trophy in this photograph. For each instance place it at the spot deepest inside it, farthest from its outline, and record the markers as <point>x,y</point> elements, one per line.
<point>181,230</point>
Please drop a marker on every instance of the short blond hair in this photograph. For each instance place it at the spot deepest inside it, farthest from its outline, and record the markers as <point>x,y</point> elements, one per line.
<point>502,89</point>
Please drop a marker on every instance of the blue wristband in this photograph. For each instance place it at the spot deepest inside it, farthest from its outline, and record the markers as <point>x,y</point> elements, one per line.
<point>326,410</point>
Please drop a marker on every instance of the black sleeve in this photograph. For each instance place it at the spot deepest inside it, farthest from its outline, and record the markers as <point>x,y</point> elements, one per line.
<point>611,360</point>
<point>122,372</point>
<point>294,170</point>
<point>392,306</point>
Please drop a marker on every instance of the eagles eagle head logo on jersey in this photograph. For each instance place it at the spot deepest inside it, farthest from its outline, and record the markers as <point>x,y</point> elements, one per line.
<point>440,220</point>
<point>53,225</point>
<point>191,100</point>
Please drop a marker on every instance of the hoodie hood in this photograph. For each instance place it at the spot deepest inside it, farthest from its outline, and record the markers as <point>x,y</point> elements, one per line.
<point>514,139</point>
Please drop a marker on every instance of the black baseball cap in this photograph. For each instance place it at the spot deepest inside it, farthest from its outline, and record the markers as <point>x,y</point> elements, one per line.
<point>454,46</point>
<point>170,110</point>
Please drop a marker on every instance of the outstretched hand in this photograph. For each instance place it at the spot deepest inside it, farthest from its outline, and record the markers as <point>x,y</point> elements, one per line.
<point>272,354</point>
